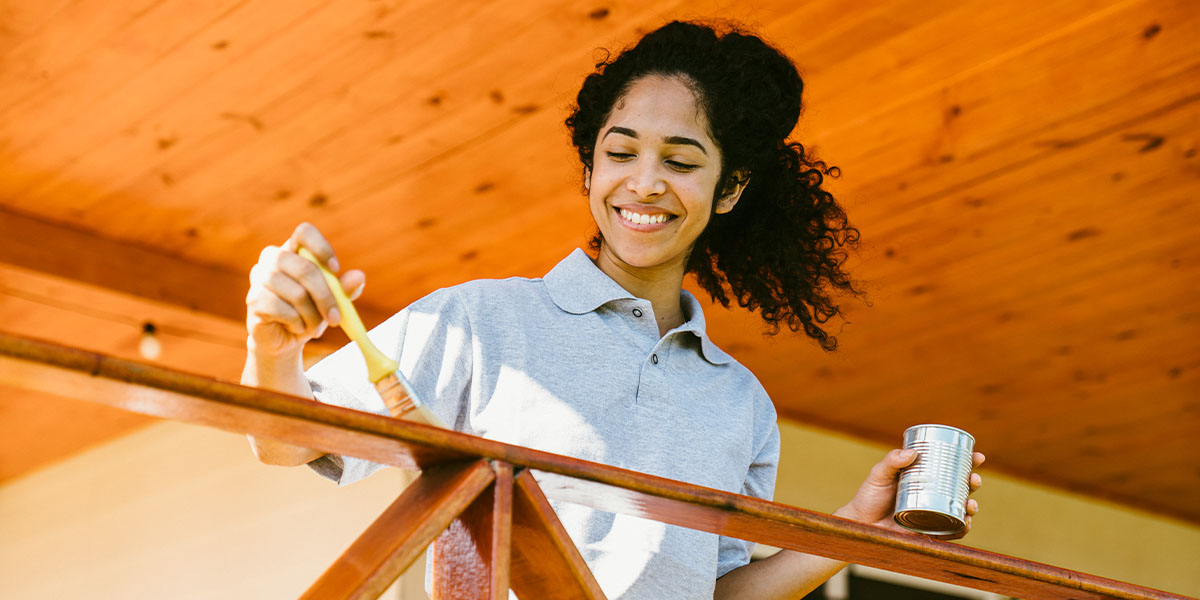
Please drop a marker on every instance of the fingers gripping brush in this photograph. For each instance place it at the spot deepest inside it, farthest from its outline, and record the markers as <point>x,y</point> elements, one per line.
<point>383,372</point>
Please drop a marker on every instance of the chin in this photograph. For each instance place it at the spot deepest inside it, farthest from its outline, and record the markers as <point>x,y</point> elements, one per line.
<point>641,258</point>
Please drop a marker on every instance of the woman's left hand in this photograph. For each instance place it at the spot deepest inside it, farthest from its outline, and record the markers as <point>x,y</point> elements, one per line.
<point>876,497</point>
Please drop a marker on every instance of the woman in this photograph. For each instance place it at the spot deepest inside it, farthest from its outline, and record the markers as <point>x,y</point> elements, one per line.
<point>687,169</point>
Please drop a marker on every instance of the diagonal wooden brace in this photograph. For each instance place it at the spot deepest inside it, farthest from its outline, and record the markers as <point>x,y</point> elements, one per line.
<point>403,531</point>
<point>153,390</point>
<point>545,562</point>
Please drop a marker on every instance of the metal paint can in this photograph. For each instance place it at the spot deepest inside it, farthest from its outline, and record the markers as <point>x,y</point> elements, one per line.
<point>932,495</point>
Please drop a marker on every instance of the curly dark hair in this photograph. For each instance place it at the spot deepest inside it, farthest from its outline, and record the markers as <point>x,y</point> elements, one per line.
<point>781,251</point>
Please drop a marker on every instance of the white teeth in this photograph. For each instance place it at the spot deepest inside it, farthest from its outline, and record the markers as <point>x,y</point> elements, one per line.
<point>643,219</point>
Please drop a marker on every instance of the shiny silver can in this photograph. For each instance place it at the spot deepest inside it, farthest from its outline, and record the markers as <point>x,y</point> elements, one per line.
<point>932,495</point>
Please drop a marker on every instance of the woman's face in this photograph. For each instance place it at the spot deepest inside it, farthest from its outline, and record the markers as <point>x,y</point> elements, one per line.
<point>654,174</point>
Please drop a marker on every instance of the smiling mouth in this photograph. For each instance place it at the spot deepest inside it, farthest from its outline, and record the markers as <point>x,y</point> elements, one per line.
<point>642,219</point>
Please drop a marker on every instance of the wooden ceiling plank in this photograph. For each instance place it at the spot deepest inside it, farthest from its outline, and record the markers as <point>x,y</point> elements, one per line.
<point>127,55</point>
<point>1075,289</point>
<point>131,220</point>
<point>822,36</point>
<point>1015,209</point>
<point>474,78</point>
<point>941,384</point>
<point>105,138</point>
<point>426,86</point>
<point>1092,451</point>
<point>947,383</point>
<point>25,20</point>
<point>1065,412</point>
<point>1000,108</point>
<point>491,217</point>
<point>922,60</point>
<point>464,106</point>
<point>890,377</point>
<point>1062,280</point>
<point>55,39</point>
<point>1027,130</point>
<point>326,72</point>
<point>323,79</point>
<point>1108,136</point>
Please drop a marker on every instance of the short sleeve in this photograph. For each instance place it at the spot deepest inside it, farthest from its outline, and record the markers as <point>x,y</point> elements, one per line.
<point>432,342</point>
<point>760,483</point>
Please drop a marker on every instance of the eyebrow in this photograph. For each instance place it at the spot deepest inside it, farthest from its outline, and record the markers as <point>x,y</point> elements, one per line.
<point>675,139</point>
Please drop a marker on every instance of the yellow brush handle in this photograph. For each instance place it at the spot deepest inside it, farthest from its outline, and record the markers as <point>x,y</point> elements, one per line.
<point>378,364</point>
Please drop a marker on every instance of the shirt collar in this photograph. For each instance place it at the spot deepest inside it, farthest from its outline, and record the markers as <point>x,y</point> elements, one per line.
<point>578,286</point>
<point>694,313</point>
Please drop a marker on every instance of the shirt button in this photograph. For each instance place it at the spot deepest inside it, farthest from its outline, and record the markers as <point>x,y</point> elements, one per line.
<point>637,312</point>
<point>654,358</point>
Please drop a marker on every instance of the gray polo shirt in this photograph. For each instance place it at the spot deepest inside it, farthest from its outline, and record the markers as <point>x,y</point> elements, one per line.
<point>573,364</point>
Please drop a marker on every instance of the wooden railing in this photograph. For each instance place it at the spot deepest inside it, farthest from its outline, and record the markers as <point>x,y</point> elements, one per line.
<point>489,519</point>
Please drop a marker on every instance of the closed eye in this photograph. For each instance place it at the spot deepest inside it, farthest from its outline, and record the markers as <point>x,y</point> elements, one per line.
<point>621,156</point>
<point>682,167</point>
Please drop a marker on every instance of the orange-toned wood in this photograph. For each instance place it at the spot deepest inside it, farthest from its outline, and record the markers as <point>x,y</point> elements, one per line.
<point>1024,189</point>
<point>471,557</point>
<point>153,390</point>
<point>195,399</point>
<point>87,258</point>
<point>82,258</point>
<point>546,563</point>
<point>401,533</point>
<point>79,290</point>
<point>83,290</point>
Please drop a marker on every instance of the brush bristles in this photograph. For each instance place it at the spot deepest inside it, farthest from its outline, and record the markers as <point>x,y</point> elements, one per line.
<point>399,403</point>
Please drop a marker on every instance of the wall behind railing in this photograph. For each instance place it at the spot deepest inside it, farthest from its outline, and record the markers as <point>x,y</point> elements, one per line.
<point>182,512</point>
<point>185,512</point>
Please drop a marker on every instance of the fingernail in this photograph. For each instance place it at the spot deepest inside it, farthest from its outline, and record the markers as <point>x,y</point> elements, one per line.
<point>333,265</point>
<point>335,316</point>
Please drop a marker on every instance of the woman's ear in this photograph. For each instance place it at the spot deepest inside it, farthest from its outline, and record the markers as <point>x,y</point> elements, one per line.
<point>587,181</point>
<point>730,199</point>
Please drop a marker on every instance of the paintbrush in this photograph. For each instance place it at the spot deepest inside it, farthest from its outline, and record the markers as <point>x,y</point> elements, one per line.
<point>384,373</point>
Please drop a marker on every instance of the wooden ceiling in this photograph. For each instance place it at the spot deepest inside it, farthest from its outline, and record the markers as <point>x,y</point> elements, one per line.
<point>1025,176</point>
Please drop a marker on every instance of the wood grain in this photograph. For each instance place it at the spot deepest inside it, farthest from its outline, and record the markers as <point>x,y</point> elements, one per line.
<point>1023,174</point>
<point>546,563</point>
<point>385,550</point>
<point>142,388</point>
<point>471,557</point>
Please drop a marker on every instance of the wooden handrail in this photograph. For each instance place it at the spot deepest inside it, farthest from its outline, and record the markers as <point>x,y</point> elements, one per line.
<point>157,391</point>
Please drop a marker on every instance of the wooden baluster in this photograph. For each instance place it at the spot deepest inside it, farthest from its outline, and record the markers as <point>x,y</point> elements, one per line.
<point>545,562</point>
<point>471,558</point>
<point>399,535</point>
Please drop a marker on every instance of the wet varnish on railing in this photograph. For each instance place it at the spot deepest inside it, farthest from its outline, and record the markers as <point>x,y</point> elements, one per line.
<point>490,521</point>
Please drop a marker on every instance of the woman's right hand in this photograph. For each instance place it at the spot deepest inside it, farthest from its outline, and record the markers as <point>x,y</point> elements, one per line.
<point>289,302</point>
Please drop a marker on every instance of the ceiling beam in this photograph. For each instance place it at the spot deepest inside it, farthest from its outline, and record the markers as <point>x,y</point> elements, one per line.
<point>84,290</point>
<point>83,265</point>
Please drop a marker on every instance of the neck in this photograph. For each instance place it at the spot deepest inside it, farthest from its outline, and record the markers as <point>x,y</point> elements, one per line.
<point>661,285</point>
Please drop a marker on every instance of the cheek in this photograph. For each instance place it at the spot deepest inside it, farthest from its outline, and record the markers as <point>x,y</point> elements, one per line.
<point>701,201</point>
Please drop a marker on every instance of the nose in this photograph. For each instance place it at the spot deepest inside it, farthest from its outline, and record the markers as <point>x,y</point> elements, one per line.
<point>646,181</point>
